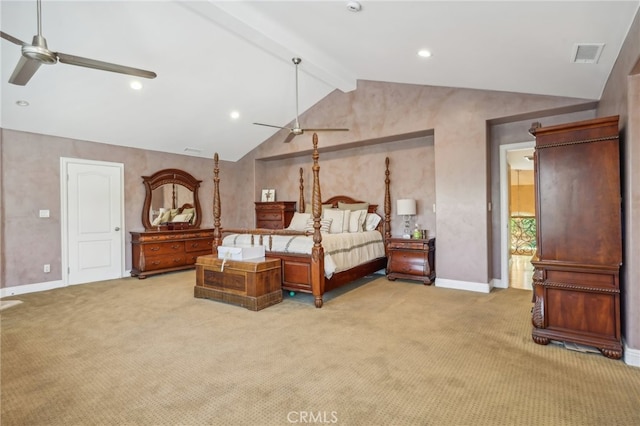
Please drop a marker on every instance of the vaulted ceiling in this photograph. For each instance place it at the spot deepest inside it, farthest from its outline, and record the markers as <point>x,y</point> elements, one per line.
<point>215,57</point>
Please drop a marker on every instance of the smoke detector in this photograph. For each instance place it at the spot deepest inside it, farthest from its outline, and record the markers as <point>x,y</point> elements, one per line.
<point>354,6</point>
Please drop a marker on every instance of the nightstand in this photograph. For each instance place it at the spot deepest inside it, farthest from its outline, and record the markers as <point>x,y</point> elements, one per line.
<point>412,259</point>
<point>274,215</point>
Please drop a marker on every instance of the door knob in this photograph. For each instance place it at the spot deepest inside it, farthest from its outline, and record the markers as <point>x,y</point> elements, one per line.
<point>117,228</point>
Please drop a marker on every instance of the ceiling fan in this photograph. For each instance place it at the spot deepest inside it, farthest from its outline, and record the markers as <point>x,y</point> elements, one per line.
<point>296,130</point>
<point>37,53</point>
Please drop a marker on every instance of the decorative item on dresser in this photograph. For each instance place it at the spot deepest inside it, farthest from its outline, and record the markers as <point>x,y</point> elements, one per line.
<point>274,215</point>
<point>579,235</point>
<point>171,215</point>
<point>412,259</point>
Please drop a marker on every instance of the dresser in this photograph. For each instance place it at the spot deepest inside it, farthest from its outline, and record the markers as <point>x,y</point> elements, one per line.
<point>155,252</point>
<point>413,259</point>
<point>576,288</point>
<point>274,215</point>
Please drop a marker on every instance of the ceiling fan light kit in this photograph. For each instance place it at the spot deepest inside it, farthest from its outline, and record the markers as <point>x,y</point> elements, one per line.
<point>38,53</point>
<point>296,130</point>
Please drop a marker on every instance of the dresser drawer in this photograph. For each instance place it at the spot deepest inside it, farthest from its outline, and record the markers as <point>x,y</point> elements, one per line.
<point>198,245</point>
<point>163,248</point>
<point>268,215</point>
<point>269,224</point>
<point>161,262</point>
<point>408,262</point>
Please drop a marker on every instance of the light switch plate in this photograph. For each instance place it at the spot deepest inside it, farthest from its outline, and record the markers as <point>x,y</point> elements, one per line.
<point>44,213</point>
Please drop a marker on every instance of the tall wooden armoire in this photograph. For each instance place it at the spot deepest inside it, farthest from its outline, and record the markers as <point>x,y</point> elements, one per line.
<point>579,230</point>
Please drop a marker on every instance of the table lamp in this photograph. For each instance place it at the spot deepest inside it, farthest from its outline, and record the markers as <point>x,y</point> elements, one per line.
<point>406,208</point>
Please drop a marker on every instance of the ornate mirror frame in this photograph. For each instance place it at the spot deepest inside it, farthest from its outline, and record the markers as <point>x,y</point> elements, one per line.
<point>170,176</point>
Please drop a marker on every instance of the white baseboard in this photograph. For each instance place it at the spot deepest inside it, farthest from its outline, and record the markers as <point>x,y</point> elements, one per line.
<point>497,283</point>
<point>463,285</point>
<point>30,288</point>
<point>631,356</point>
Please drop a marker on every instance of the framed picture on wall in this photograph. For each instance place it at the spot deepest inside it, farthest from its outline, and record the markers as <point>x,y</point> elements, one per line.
<point>268,195</point>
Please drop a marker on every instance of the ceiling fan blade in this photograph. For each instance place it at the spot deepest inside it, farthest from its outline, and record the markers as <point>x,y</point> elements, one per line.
<point>290,137</point>
<point>271,125</point>
<point>24,71</point>
<point>12,39</point>
<point>325,130</point>
<point>104,66</point>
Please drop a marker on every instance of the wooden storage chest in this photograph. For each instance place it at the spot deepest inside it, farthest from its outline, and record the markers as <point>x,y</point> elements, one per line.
<point>253,283</point>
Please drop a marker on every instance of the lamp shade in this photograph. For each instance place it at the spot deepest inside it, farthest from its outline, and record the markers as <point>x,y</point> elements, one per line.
<point>406,207</point>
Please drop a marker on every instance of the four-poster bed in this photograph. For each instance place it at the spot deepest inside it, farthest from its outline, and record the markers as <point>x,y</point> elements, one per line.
<point>312,270</point>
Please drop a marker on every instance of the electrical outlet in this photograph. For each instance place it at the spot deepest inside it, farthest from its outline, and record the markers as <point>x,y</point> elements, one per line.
<point>47,268</point>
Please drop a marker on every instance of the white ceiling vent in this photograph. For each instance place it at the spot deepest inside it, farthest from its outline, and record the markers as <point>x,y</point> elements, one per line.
<point>586,53</point>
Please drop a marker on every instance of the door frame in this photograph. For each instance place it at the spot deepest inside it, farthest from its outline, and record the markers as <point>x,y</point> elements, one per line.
<point>505,248</point>
<point>64,213</point>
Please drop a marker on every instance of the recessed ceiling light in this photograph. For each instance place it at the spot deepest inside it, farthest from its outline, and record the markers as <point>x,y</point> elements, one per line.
<point>424,53</point>
<point>22,103</point>
<point>136,85</point>
<point>235,115</point>
<point>192,150</point>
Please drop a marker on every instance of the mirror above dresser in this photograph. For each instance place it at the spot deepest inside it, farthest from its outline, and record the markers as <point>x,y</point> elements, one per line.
<point>172,239</point>
<point>171,201</point>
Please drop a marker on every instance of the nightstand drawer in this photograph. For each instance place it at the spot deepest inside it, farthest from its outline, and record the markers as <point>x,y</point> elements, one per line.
<point>408,245</point>
<point>408,262</point>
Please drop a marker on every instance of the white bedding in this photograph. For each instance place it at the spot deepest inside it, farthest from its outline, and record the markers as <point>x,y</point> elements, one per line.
<point>341,251</point>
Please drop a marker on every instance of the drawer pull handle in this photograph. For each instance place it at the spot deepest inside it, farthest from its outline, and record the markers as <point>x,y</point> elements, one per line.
<point>195,244</point>
<point>175,246</point>
<point>155,248</point>
<point>155,262</point>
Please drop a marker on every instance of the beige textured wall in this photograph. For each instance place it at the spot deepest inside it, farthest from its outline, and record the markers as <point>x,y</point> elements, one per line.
<point>621,96</point>
<point>458,118</point>
<point>360,173</point>
<point>31,182</point>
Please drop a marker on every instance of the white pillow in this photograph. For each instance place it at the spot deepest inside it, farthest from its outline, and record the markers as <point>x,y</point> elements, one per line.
<point>356,221</point>
<point>299,221</point>
<point>339,220</point>
<point>371,222</point>
<point>183,217</point>
<point>325,225</point>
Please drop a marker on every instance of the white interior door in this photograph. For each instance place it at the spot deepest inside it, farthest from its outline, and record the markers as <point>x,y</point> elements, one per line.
<point>94,206</point>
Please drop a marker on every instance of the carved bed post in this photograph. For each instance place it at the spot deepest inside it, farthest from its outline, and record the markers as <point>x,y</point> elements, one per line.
<point>317,252</point>
<point>301,206</point>
<point>387,203</point>
<point>217,232</point>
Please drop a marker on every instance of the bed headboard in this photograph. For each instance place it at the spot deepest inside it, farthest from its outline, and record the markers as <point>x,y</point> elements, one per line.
<point>348,200</point>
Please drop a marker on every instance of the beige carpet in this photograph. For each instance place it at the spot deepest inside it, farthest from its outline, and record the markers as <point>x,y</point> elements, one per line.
<point>146,352</point>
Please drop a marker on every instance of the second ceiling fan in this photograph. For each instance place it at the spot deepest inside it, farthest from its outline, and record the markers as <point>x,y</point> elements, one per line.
<point>296,130</point>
